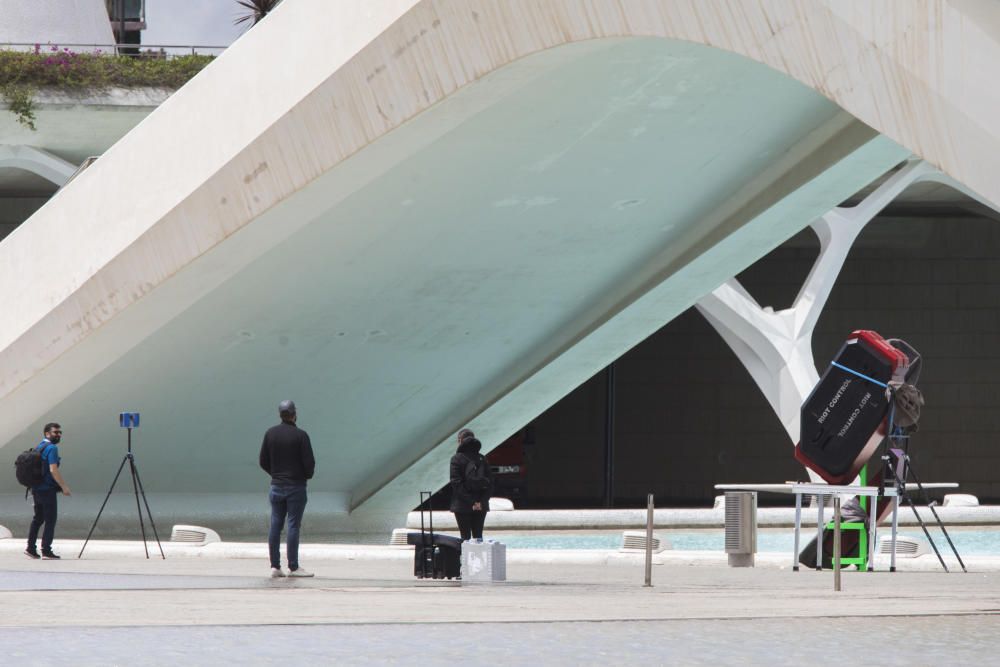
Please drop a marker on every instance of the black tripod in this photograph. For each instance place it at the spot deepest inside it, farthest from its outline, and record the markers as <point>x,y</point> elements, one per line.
<point>137,489</point>
<point>896,462</point>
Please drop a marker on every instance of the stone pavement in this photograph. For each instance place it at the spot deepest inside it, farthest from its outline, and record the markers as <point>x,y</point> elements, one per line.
<point>115,607</point>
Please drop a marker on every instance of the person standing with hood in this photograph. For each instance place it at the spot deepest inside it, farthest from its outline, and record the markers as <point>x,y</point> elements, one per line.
<point>471,486</point>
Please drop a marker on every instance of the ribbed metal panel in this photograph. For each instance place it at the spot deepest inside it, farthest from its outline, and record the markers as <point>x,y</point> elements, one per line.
<point>193,535</point>
<point>741,522</point>
<point>398,538</point>
<point>636,540</point>
<point>906,547</point>
<point>187,536</point>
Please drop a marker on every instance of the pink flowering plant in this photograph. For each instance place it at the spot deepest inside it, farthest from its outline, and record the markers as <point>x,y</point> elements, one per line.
<point>23,73</point>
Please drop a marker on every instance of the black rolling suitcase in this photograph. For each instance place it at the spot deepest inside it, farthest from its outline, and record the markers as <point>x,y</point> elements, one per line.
<point>441,560</point>
<point>434,556</point>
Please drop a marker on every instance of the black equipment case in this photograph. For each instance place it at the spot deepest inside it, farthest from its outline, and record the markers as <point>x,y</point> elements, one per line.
<point>843,420</point>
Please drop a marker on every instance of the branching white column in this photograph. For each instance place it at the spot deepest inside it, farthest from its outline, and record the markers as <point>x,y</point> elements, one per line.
<point>776,346</point>
<point>48,166</point>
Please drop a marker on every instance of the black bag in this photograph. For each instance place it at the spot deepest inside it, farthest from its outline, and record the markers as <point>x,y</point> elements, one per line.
<point>434,556</point>
<point>477,476</point>
<point>442,560</point>
<point>843,421</point>
<point>29,467</point>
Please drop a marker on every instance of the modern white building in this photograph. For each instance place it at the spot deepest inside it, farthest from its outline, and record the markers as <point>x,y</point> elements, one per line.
<point>453,214</point>
<point>70,127</point>
<point>54,22</point>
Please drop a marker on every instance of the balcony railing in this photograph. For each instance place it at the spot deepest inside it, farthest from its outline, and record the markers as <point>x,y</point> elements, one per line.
<point>142,50</point>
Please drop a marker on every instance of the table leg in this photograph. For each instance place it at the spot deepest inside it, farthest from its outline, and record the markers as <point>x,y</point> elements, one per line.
<point>798,524</point>
<point>820,499</point>
<point>895,523</point>
<point>836,542</point>
<point>872,531</point>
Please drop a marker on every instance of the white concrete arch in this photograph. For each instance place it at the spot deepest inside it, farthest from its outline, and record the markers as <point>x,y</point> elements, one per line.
<point>199,212</point>
<point>37,161</point>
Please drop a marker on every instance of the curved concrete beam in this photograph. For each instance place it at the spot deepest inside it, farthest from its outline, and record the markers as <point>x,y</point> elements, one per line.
<point>401,57</point>
<point>376,84</point>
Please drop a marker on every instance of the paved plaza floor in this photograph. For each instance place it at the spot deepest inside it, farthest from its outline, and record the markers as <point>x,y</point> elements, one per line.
<point>114,607</point>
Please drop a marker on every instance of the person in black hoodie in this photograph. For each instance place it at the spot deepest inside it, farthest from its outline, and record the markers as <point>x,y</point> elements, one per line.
<point>471,486</point>
<point>286,455</point>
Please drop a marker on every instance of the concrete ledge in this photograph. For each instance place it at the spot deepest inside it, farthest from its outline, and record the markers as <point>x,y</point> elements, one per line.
<point>108,549</point>
<point>144,97</point>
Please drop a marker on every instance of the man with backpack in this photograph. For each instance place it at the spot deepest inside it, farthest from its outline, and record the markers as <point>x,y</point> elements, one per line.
<point>471,486</point>
<point>45,494</point>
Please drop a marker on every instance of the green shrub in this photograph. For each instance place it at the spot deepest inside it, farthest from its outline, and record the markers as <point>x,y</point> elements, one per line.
<point>22,73</point>
<point>20,101</point>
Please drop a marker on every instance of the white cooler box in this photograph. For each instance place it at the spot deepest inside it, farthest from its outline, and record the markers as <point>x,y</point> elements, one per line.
<point>483,562</point>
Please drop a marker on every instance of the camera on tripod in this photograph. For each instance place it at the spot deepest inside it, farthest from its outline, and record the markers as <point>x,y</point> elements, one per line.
<point>128,420</point>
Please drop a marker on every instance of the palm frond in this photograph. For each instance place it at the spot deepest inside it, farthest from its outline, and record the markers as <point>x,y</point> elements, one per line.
<point>257,10</point>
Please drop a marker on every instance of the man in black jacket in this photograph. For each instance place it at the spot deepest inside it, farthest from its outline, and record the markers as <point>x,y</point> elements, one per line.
<point>286,455</point>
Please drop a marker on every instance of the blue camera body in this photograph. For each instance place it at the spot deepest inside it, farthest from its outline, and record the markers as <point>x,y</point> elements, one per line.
<point>128,420</point>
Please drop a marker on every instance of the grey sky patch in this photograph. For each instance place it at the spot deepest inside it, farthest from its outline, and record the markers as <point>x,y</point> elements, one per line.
<point>192,22</point>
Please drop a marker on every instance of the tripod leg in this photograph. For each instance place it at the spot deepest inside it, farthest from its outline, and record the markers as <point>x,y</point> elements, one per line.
<point>110,489</point>
<point>148,513</point>
<point>927,533</point>
<point>930,506</point>
<point>909,501</point>
<point>135,490</point>
<point>895,528</point>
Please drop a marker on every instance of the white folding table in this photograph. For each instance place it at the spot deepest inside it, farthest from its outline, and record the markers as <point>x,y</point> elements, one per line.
<point>800,489</point>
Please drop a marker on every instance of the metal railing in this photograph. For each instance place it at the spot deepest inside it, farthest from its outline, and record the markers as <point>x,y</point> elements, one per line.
<point>139,50</point>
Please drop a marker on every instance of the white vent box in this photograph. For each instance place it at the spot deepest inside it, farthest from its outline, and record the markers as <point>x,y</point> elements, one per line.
<point>483,562</point>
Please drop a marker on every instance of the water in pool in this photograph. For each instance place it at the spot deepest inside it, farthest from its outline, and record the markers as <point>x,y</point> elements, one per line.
<point>977,541</point>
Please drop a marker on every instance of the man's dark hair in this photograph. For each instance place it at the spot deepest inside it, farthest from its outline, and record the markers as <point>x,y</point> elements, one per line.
<point>49,427</point>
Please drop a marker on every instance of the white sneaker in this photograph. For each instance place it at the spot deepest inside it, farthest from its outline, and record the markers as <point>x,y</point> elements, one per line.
<point>300,573</point>
<point>277,573</point>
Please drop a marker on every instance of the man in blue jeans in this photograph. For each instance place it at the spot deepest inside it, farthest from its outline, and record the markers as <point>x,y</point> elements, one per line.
<point>286,455</point>
<point>46,493</point>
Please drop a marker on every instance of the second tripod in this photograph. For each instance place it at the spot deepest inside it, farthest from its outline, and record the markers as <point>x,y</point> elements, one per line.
<point>137,490</point>
<point>896,462</point>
